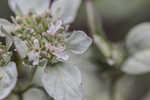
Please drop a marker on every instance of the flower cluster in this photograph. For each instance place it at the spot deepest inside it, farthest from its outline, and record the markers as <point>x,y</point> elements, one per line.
<point>5,55</point>
<point>44,36</point>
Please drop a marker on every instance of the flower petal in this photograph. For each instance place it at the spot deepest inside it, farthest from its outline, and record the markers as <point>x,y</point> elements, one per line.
<point>61,56</point>
<point>138,38</point>
<point>79,42</point>
<point>63,82</point>
<point>138,63</point>
<point>27,6</point>
<point>21,47</point>
<point>6,25</point>
<point>8,79</point>
<point>34,56</point>
<point>65,9</point>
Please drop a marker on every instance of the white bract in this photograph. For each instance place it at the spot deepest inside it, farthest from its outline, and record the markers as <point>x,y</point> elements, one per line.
<point>138,63</point>
<point>26,6</point>
<point>8,79</point>
<point>63,82</point>
<point>138,46</point>
<point>65,9</point>
<point>138,38</point>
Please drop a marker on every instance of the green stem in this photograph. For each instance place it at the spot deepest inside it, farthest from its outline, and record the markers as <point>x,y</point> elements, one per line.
<point>97,33</point>
<point>19,63</point>
<point>90,16</point>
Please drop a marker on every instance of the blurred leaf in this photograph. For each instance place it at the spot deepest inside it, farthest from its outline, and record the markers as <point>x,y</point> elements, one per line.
<point>65,9</point>
<point>132,87</point>
<point>63,82</point>
<point>8,79</point>
<point>139,38</point>
<point>117,9</point>
<point>138,63</point>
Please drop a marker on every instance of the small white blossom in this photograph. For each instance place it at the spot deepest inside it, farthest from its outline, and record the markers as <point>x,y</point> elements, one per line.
<point>54,27</point>
<point>34,55</point>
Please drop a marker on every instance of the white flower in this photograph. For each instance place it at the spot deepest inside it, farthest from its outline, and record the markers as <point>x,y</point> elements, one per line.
<point>34,55</point>
<point>58,52</point>
<point>54,27</point>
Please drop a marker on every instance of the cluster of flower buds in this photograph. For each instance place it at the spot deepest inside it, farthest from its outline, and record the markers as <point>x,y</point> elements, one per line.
<point>5,55</point>
<point>44,37</point>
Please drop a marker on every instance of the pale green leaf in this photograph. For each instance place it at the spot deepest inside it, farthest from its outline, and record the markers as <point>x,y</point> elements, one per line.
<point>79,42</point>
<point>63,82</point>
<point>21,47</point>
<point>138,63</point>
<point>8,79</point>
<point>65,9</point>
<point>138,38</point>
<point>27,6</point>
<point>35,94</point>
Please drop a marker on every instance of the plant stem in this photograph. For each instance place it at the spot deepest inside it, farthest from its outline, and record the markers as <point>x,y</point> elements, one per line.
<point>90,16</point>
<point>97,33</point>
<point>19,63</point>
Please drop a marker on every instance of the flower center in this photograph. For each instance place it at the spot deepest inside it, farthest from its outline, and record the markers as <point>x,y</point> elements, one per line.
<point>43,35</point>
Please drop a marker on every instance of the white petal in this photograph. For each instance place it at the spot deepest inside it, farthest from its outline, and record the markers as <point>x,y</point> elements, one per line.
<point>36,43</point>
<point>65,9</point>
<point>21,47</point>
<point>138,38</point>
<point>33,56</point>
<point>27,6</point>
<point>63,82</point>
<point>79,42</point>
<point>8,79</point>
<point>62,56</point>
<point>9,27</point>
<point>138,63</point>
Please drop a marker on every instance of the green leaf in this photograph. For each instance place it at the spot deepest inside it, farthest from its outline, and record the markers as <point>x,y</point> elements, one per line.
<point>138,38</point>
<point>35,94</point>
<point>138,63</point>
<point>65,9</point>
<point>21,47</point>
<point>8,79</point>
<point>63,82</point>
<point>26,6</point>
<point>79,42</point>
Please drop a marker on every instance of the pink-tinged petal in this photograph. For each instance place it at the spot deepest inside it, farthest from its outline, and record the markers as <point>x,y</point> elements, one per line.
<point>51,30</point>
<point>36,43</point>
<point>34,56</point>
<point>54,27</point>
